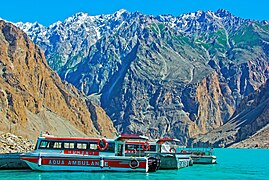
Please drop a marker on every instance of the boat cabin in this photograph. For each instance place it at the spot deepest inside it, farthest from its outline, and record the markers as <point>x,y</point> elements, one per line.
<point>163,145</point>
<point>128,144</point>
<point>73,145</point>
<point>123,145</point>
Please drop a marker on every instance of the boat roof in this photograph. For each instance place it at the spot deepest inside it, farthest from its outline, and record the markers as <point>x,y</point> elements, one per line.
<point>126,137</point>
<point>163,140</point>
<point>53,138</point>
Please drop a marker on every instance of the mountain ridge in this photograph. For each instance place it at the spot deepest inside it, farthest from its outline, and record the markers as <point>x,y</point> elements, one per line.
<point>34,98</point>
<point>164,75</point>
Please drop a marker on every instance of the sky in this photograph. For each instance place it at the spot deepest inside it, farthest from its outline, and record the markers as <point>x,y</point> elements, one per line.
<point>47,12</point>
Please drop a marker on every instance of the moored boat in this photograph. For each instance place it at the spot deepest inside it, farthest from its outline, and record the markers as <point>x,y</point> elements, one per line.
<point>85,154</point>
<point>200,156</point>
<point>12,161</point>
<point>204,159</point>
<point>164,149</point>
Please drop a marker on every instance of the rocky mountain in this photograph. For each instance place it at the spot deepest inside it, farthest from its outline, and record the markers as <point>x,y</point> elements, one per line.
<point>258,140</point>
<point>33,98</point>
<point>10,143</point>
<point>248,127</point>
<point>161,76</point>
<point>66,43</point>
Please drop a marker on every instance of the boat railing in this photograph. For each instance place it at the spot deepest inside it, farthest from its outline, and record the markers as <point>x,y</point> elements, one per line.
<point>197,151</point>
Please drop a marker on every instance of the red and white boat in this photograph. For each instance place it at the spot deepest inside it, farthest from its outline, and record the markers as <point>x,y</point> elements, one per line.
<point>86,154</point>
<point>164,149</point>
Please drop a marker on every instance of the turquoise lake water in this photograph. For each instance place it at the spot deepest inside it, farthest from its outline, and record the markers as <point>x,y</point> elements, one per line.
<point>232,164</point>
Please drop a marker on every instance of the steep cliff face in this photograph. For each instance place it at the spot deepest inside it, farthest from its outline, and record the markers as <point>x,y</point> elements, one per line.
<point>249,123</point>
<point>215,103</point>
<point>33,97</point>
<point>165,75</point>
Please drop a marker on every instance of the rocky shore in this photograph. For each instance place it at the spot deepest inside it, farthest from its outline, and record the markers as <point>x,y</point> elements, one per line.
<point>10,143</point>
<point>258,140</point>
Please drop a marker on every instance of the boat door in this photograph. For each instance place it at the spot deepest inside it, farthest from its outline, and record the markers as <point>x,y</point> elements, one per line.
<point>120,148</point>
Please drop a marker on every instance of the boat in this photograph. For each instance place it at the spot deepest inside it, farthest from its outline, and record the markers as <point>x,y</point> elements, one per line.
<point>200,156</point>
<point>12,161</point>
<point>164,149</point>
<point>85,154</point>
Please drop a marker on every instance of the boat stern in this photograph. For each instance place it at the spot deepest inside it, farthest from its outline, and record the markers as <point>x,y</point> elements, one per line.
<point>154,164</point>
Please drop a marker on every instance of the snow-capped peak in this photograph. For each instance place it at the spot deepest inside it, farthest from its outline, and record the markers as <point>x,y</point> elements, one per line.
<point>29,26</point>
<point>223,12</point>
<point>78,17</point>
<point>119,12</point>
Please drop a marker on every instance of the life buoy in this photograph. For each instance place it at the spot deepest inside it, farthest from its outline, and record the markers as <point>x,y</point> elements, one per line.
<point>146,146</point>
<point>173,150</point>
<point>102,144</point>
<point>134,163</point>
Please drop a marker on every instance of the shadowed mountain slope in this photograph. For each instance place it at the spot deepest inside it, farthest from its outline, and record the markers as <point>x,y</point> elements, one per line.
<point>249,123</point>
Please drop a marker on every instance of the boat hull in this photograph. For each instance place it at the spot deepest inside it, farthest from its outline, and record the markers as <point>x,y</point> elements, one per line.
<point>48,162</point>
<point>204,159</point>
<point>169,161</point>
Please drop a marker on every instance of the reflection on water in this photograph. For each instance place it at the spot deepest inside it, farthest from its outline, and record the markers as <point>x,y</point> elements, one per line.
<point>232,164</point>
<point>27,174</point>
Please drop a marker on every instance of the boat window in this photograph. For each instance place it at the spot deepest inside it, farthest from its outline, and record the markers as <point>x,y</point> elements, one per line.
<point>110,147</point>
<point>93,146</point>
<point>44,144</point>
<point>57,145</point>
<point>152,148</point>
<point>69,145</point>
<point>81,145</point>
<point>137,147</point>
<point>130,147</point>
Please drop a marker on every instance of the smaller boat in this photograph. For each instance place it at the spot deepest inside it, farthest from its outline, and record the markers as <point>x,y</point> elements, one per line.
<point>200,155</point>
<point>85,154</point>
<point>164,149</point>
<point>12,161</point>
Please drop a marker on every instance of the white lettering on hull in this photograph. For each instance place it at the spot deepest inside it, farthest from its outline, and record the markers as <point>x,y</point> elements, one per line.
<point>56,162</point>
<point>80,163</point>
<point>75,162</point>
